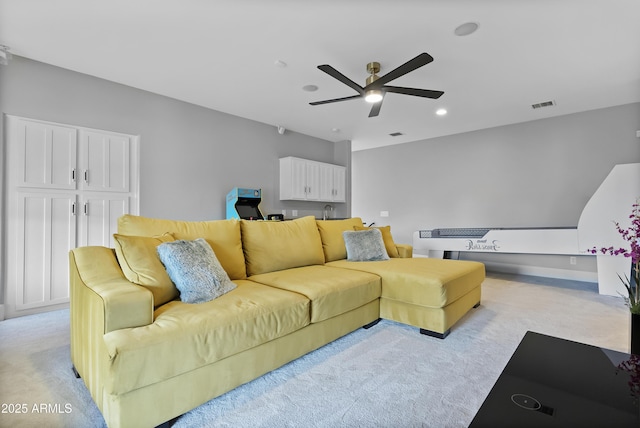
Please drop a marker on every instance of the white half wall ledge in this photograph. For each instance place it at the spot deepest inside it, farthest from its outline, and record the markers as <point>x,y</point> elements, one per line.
<point>612,202</point>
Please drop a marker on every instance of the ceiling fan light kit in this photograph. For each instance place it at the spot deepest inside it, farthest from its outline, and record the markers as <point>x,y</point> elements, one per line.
<point>375,87</point>
<point>373,96</point>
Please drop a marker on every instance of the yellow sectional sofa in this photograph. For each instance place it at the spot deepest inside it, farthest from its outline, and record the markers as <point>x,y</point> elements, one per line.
<point>147,357</point>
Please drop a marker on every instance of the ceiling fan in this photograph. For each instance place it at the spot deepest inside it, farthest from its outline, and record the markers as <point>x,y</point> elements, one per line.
<point>375,87</point>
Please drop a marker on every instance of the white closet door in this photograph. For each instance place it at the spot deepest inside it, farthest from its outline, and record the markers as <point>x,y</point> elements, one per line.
<point>105,161</point>
<point>51,208</point>
<point>46,155</point>
<point>45,233</point>
<point>98,215</point>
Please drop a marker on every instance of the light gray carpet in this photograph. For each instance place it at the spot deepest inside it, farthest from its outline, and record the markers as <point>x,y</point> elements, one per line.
<point>387,376</point>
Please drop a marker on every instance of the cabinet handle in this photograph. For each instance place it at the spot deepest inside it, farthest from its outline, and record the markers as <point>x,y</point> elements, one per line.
<point>86,208</point>
<point>73,208</point>
<point>73,174</point>
<point>86,176</point>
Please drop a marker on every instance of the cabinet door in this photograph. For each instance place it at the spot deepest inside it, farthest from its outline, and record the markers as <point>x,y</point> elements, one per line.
<point>46,155</point>
<point>312,181</point>
<point>332,183</point>
<point>293,179</point>
<point>339,191</point>
<point>45,233</point>
<point>98,217</point>
<point>326,183</point>
<point>105,161</point>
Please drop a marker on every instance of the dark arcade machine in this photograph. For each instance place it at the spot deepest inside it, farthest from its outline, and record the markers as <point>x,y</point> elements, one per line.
<point>243,204</point>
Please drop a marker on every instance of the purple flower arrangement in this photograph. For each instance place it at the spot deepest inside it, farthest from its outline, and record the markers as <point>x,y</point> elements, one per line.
<point>632,235</point>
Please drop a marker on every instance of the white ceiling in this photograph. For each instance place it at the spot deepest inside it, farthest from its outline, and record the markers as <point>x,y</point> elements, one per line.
<point>222,54</point>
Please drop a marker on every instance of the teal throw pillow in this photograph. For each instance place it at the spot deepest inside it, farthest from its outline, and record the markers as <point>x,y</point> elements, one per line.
<point>195,270</point>
<point>365,245</point>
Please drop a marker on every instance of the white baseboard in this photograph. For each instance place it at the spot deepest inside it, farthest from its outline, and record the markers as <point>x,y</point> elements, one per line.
<point>1,312</point>
<point>545,272</point>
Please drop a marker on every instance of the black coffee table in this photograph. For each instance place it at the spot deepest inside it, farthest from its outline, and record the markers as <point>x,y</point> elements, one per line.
<point>552,382</point>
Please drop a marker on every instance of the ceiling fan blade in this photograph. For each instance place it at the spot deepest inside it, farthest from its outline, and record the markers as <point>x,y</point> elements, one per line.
<point>375,109</point>
<point>335,100</point>
<point>426,93</point>
<point>417,62</point>
<point>341,77</point>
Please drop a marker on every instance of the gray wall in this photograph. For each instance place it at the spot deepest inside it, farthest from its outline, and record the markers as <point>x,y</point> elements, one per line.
<point>533,174</point>
<point>190,157</point>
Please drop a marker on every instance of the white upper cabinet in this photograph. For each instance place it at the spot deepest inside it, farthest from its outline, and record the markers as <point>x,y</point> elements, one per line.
<point>307,180</point>
<point>105,161</point>
<point>333,183</point>
<point>46,155</point>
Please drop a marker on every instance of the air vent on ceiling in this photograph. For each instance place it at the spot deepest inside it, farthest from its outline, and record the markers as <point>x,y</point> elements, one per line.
<point>544,104</point>
<point>396,134</point>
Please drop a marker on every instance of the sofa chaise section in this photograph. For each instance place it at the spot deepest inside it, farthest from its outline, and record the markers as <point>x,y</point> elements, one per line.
<point>432,294</point>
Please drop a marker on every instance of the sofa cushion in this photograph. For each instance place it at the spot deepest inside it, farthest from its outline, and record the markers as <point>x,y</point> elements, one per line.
<point>222,235</point>
<point>195,270</point>
<point>331,235</point>
<point>364,245</point>
<point>276,245</point>
<point>331,291</point>
<point>422,281</point>
<point>185,337</point>
<point>140,264</point>
<point>389,244</point>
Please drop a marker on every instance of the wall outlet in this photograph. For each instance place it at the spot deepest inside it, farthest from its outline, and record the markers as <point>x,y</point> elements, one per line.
<point>294,213</point>
<point>384,213</point>
<point>572,260</point>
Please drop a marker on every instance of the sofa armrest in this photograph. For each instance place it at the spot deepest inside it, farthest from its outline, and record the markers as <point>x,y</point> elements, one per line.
<point>405,251</point>
<point>102,300</point>
<point>96,275</point>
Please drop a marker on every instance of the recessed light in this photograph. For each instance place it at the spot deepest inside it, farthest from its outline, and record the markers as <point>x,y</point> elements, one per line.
<point>310,88</point>
<point>441,112</point>
<point>466,29</point>
<point>335,129</point>
<point>396,134</point>
<point>279,63</point>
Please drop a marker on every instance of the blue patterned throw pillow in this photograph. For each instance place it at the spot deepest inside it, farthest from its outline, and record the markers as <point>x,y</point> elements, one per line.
<point>365,245</point>
<point>195,270</point>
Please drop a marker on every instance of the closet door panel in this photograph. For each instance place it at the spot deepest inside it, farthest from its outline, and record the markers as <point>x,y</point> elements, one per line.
<point>46,155</point>
<point>46,231</point>
<point>99,219</point>
<point>105,161</point>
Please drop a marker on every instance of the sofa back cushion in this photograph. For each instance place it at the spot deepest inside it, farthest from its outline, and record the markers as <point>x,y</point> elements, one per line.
<point>331,234</point>
<point>272,246</point>
<point>222,235</point>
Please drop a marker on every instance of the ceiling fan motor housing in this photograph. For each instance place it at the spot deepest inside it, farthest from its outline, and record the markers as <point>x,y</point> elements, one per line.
<point>372,69</point>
